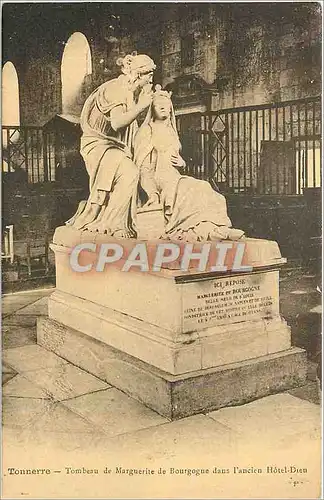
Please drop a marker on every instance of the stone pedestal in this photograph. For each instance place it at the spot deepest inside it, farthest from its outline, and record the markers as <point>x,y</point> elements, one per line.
<point>180,342</point>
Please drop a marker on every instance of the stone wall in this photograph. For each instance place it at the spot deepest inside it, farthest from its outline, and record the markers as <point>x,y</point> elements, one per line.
<point>272,57</point>
<point>36,212</point>
<point>200,21</point>
<point>253,53</point>
<point>35,37</point>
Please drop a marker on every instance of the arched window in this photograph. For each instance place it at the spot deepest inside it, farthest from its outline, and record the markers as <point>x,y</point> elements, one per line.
<point>10,95</point>
<point>10,109</point>
<point>76,66</point>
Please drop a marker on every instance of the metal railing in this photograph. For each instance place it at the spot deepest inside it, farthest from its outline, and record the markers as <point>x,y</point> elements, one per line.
<point>264,149</point>
<point>28,154</point>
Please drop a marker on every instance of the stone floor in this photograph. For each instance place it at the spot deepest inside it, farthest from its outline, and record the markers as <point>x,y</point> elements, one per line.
<point>60,417</point>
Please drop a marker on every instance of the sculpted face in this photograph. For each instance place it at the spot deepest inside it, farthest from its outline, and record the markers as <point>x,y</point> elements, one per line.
<point>145,78</point>
<point>161,108</point>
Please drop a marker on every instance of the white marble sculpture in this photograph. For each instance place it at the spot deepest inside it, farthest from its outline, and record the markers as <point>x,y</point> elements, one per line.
<point>108,123</point>
<point>182,327</point>
<point>117,154</point>
<point>193,211</point>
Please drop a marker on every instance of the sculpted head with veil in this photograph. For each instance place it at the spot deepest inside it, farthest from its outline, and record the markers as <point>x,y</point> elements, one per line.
<point>193,211</point>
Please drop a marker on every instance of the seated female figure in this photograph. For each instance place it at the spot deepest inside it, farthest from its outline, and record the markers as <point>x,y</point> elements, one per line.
<point>193,211</point>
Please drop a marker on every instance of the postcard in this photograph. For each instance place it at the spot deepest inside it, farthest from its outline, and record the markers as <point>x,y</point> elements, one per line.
<point>161,250</point>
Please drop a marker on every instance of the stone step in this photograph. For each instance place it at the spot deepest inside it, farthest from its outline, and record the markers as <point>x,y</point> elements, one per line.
<point>176,396</point>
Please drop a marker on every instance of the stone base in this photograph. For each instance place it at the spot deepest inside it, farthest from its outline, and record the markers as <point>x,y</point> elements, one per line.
<point>172,352</point>
<point>176,396</point>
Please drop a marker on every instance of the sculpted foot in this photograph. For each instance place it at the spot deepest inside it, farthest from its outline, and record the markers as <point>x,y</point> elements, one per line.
<point>124,233</point>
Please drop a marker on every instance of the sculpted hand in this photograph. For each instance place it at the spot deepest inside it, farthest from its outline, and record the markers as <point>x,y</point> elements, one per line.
<point>145,100</point>
<point>154,199</point>
<point>177,161</point>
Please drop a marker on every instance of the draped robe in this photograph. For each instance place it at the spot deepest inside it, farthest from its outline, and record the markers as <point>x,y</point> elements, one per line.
<point>104,151</point>
<point>193,211</point>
